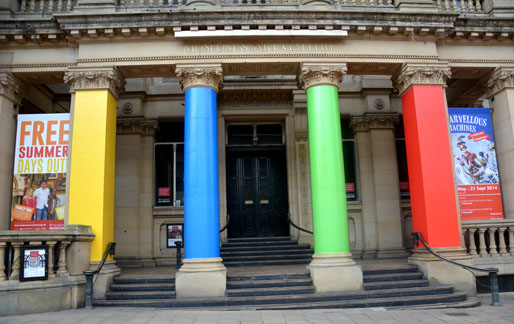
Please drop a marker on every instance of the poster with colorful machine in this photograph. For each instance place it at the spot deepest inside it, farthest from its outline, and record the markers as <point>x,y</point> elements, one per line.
<point>476,167</point>
<point>39,181</point>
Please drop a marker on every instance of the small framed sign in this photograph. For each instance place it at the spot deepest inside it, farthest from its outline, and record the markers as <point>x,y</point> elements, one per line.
<point>35,263</point>
<point>175,234</point>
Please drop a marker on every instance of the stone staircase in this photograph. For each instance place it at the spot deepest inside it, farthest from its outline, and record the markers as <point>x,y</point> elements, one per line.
<point>401,286</point>
<point>267,251</point>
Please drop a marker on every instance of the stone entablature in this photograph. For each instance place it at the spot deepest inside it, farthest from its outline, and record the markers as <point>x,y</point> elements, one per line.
<point>374,121</point>
<point>314,74</point>
<point>421,74</point>
<point>200,75</point>
<point>501,79</point>
<point>145,127</point>
<point>96,79</point>
<point>12,88</point>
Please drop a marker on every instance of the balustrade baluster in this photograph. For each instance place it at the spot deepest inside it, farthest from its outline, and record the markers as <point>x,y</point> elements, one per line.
<point>471,7</point>
<point>41,5</point>
<point>3,247</point>
<point>478,5</point>
<point>68,5</point>
<point>455,5</point>
<point>511,240</point>
<point>59,5</point>
<point>51,270</point>
<point>62,270</point>
<point>439,5</point>
<point>481,235</point>
<point>472,244</point>
<point>493,247</point>
<point>389,2</point>
<point>141,2</point>
<point>371,2</point>
<point>23,5</point>
<point>32,5</point>
<point>501,240</point>
<point>15,273</point>
<point>463,6</point>
<point>51,5</point>
<point>447,6</point>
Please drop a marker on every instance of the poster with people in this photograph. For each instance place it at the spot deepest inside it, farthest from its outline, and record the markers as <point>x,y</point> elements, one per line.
<point>39,181</point>
<point>476,167</point>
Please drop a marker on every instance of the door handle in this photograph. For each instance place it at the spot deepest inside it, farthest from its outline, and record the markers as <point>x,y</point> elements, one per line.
<point>248,202</point>
<point>264,202</point>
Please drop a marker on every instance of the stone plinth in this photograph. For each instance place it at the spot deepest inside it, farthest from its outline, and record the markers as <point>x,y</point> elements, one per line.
<point>201,278</point>
<point>335,272</point>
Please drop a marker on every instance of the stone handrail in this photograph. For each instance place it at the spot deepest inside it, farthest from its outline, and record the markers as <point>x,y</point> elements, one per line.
<point>54,6</point>
<point>489,238</point>
<point>58,243</point>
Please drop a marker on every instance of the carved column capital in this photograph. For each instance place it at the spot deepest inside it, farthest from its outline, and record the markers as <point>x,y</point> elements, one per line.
<point>96,79</point>
<point>501,79</point>
<point>145,127</point>
<point>200,75</point>
<point>12,88</point>
<point>374,121</point>
<point>421,74</point>
<point>313,74</point>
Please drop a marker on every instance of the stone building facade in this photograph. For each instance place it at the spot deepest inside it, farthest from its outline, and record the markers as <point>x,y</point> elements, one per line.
<point>123,69</point>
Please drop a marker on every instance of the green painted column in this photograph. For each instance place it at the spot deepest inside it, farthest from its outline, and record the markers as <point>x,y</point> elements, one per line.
<point>330,218</point>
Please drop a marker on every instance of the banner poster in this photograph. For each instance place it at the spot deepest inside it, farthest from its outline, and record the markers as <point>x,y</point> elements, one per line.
<point>476,168</point>
<point>39,182</point>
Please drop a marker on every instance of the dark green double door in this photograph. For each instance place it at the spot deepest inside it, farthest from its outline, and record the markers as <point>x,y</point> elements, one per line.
<point>257,193</point>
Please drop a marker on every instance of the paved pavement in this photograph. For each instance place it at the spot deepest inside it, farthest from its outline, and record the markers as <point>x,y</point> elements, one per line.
<point>483,314</point>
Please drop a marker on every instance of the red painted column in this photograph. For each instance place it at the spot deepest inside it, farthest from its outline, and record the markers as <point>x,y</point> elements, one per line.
<point>432,188</point>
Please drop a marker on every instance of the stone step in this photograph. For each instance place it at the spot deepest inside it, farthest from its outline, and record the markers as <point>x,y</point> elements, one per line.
<point>271,291</point>
<point>385,297</point>
<point>261,252</point>
<point>265,263</point>
<point>127,295</point>
<point>285,276</point>
<point>265,248</point>
<point>259,239</point>
<point>307,256</point>
<point>269,283</point>
<point>398,269</point>
<point>139,280</point>
<point>393,276</point>
<point>395,284</point>
<point>258,244</point>
<point>142,287</point>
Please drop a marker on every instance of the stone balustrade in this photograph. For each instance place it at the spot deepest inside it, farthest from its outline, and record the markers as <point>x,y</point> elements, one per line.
<point>58,242</point>
<point>491,238</point>
<point>52,6</point>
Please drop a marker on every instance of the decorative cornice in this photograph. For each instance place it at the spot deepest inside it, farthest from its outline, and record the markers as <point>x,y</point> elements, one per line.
<point>374,121</point>
<point>12,88</point>
<point>421,74</point>
<point>501,79</point>
<point>314,74</point>
<point>200,75</point>
<point>98,78</point>
<point>141,126</point>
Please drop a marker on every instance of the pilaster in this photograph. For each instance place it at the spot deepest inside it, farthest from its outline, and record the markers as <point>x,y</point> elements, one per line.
<point>12,91</point>
<point>379,184</point>
<point>501,96</point>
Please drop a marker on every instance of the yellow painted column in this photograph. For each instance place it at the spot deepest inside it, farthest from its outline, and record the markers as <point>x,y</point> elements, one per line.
<point>93,158</point>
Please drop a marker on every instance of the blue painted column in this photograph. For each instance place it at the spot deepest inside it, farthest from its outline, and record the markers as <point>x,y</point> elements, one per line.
<point>201,198</point>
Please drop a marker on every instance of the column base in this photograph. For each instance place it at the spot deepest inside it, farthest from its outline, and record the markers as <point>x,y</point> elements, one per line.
<point>335,272</point>
<point>444,273</point>
<point>201,278</point>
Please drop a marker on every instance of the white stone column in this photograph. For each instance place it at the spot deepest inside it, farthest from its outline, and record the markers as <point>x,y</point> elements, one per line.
<point>12,91</point>
<point>379,184</point>
<point>501,97</point>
